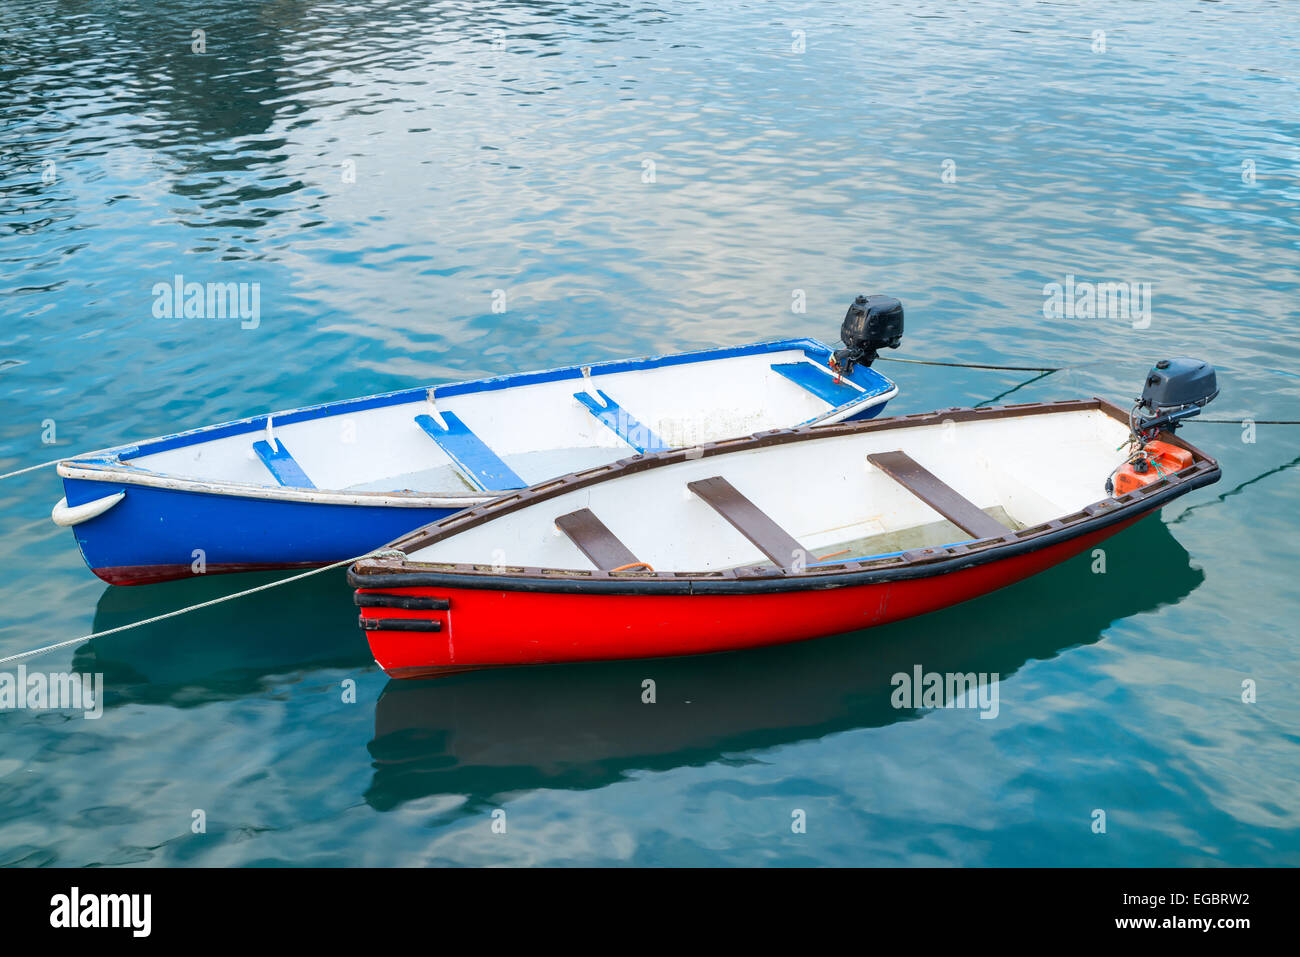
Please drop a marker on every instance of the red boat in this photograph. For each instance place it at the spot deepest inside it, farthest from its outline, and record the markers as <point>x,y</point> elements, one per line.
<point>780,536</point>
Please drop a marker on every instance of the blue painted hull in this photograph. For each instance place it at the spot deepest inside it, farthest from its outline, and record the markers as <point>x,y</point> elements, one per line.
<point>865,414</point>
<point>159,534</point>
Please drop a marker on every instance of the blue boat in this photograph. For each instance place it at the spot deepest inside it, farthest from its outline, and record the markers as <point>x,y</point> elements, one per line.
<point>321,484</point>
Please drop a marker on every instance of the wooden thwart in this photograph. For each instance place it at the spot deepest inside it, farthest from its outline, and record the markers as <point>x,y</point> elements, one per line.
<point>481,466</point>
<point>619,421</point>
<point>281,464</point>
<point>595,540</point>
<point>831,389</point>
<point>940,496</point>
<point>750,520</point>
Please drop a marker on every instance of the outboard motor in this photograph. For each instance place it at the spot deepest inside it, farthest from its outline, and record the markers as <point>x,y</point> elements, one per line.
<point>1175,389</point>
<point>871,324</point>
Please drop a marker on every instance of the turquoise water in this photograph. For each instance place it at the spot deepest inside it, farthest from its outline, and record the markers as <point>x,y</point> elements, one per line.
<point>503,147</point>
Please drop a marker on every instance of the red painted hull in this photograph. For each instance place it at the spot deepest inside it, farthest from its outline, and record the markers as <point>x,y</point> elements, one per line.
<point>486,628</point>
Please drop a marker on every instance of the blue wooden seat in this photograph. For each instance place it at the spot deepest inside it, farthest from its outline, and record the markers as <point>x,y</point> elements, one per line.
<point>617,419</point>
<point>481,466</point>
<point>281,464</point>
<point>820,382</point>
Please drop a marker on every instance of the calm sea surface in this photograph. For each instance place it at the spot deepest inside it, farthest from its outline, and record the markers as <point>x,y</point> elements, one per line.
<point>639,178</point>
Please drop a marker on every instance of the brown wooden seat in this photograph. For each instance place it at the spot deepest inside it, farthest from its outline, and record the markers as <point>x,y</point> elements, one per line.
<point>750,520</point>
<point>595,540</point>
<point>940,496</point>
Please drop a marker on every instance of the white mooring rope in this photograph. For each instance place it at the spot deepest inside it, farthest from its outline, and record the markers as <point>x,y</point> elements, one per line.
<point>45,465</point>
<point>182,611</point>
<point>31,468</point>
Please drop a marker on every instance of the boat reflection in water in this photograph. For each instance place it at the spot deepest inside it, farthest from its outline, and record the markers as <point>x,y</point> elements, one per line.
<point>584,726</point>
<point>231,650</point>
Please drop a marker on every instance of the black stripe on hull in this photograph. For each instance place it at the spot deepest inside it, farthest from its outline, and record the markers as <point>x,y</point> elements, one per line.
<point>399,624</point>
<point>405,602</point>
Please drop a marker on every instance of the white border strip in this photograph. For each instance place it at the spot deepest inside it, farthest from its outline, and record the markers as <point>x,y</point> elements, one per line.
<point>68,470</point>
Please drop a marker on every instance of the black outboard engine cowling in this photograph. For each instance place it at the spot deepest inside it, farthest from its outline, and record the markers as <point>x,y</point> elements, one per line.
<point>871,324</point>
<point>1175,389</point>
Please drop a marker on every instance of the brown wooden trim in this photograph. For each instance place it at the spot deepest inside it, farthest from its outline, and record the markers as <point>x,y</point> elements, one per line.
<point>939,495</point>
<point>471,517</point>
<point>594,539</point>
<point>750,520</point>
<point>1203,470</point>
<point>759,579</point>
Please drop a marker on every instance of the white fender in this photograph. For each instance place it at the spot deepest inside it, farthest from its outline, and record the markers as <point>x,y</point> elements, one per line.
<point>68,516</point>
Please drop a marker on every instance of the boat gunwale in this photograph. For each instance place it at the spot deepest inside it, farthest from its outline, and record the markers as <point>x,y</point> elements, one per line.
<point>141,478</point>
<point>113,465</point>
<point>388,573</point>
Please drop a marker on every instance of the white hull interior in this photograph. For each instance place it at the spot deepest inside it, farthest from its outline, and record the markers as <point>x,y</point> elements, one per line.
<point>1020,470</point>
<point>539,430</point>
